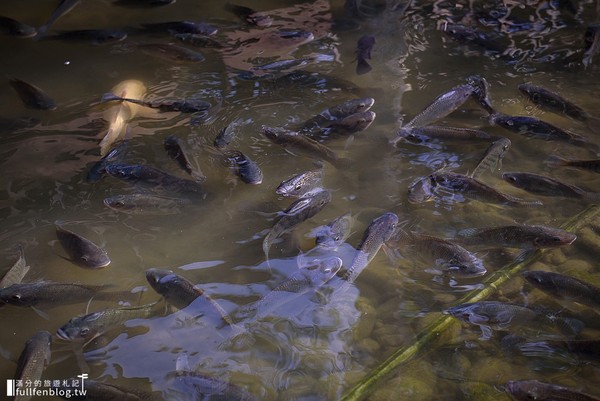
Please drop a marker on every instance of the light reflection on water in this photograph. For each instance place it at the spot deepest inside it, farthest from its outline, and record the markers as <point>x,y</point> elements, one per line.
<point>319,345</point>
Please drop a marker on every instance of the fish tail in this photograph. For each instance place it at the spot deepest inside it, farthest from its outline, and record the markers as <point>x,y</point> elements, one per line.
<point>556,161</point>
<point>593,123</point>
<point>266,245</point>
<point>109,96</point>
<point>362,67</point>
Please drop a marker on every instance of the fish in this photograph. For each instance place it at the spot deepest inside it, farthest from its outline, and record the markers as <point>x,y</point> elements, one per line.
<point>356,122</point>
<point>227,134</point>
<point>589,349</point>
<point>154,178</point>
<point>492,158</point>
<point>176,150</point>
<point>49,293</point>
<point>301,184</point>
<point>535,128</point>
<point>364,46</point>
<point>337,112</point>
<point>516,236</point>
<point>165,105</point>
<point>299,211</point>
<point>420,135</point>
<point>564,287</point>
<point>199,40</point>
<point>181,293</point>
<point>474,189</point>
<point>15,28</point>
<point>32,96</point>
<point>145,204</point>
<point>245,168</point>
<point>281,65</point>
<point>98,170</point>
<point>63,8</point>
<point>196,386</point>
<point>33,360</point>
<point>15,274</point>
<point>589,164</point>
<point>542,185</point>
<point>82,251</point>
<point>308,278</point>
<point>592,44</point>
<point>249,15</point>
<point>171,52</point>
<point>335,232</point>
<point>481,92</point>
<point>296,143</point>
<point>87,327</point>
<point>441,106</point>
<point>94,36</point>
<point>468,35</point>
<point>526,390</point>
<point>175,27</point>
<point>445,256</point>
<point>553,102</point>
<point>422,190</point>
<point>379,231</point>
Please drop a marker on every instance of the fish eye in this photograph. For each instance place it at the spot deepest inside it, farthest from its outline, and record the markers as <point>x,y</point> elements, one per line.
<point>84,258</point>
<point>84,331</point>
<point>16,297</point>
<point>535,97</point>
<point>512,178</point>
<point>505,148</point>
<point>119,204</point>
<point>298,187</point>
<point>556,239</point>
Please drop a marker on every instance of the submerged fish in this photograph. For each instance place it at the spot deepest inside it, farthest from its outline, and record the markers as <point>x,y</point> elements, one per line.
<point>227,134</point>
<point>96,391</point>
<point>98,170</point>
<point>441,106</point>
<point>244,167</point>
<point>171,52</point>
<point>526,390</point>
<point>422,190</point>
<point>87,327</point>
<point>153,177</point>
<point>445,256</point>
<point>296,143</point>
<point>379,231</point>
<point>335,232</point>
<point>363,53</point>
<point>546,186</point>
<point>553,102</point>
<point>64,7</point>
<point>590,165</point>
<point>249,15</point>
<point>31,95</point>
<point>299,211</point>
<point>195,386</point>
<point>176,150</point>
<point>353,123</point>
<point>469,35</point>
<point>94,36</point>
<point>33,360</point>
<point>82,251</point>
<point>481,92</point>
<point>175,27</point>
<point>15,274</point>
<point>184,106</point>
<point>492,157</point>
<point>16,28</point>
<point>592,44</point>
<point>337,112</point>
<point>145,204</point>
<point>564,287</point>
<point>198,40</point>
<point>428,133</point>
<point>516,236</point>
<point>301,184</point>
<point>589,349</point>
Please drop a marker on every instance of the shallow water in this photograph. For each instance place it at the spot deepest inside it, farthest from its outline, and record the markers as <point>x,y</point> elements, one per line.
<point>321,344</point>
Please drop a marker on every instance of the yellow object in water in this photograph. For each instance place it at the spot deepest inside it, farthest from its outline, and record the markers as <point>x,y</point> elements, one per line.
<point>120,114</point>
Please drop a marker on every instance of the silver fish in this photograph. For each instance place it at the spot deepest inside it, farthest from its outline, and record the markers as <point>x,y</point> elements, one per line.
<point>492,158</point>
<point>16,273</point>
<point>429,133</point>
<point>82,251</point>
<point>443,105</point>
<point>145,204</point>
<point>336,232</point>
<point>526,390</point>
<point>564,287</point>
<point>301,184</point>
<point>245,168</point>
<point>516,236</point>
<point>481,92</point>
<point>547,186</point>
<point>33,361</point>
<point>337,112</point>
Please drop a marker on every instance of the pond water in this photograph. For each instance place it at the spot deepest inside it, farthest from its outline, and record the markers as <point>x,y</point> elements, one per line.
<point>323,342</point>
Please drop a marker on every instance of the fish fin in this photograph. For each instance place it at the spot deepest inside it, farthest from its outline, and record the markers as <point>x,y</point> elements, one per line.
<point>362,67</point>
<point>554,161</point>
<point>486,332</point>
<point>593,123</point>
<point>41,313</point>
<point>109,96</point>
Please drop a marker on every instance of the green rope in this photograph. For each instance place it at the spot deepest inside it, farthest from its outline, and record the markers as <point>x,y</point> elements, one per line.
<point>433,331</point>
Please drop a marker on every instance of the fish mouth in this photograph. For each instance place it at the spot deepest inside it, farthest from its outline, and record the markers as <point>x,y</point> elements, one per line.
<point>60,333</point>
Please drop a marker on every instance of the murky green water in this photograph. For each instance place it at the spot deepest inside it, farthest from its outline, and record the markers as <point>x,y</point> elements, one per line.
<point>318,346</point>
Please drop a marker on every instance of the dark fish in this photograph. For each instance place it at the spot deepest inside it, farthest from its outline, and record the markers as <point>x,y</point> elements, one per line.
<point>281,65</point>
<point>153,177</point>
<point>145,204</point>
<point>301,184</point>
<point>31,95</point>
<point>49,293</point>
<point>444,255</point>
<point>33,360</point>
<point>422,190</point>
<point>176,150</point>
<point>517,236</point>
<point>589,349</point>
<point>492,157</point>
<point>296,143</point>
<point>95,36</point>
<point>86,328</point>
<point>249,15</point>
<point>16,273</point>
<point>442,105</point>
<point>244,167</point>
<point>195,386</point>
<point>82,251</point>
<point>473,189</point>
<point>98,170</point>
<point>171,52</point>
<point>592,44</point>
<point>553,102</point>
<point>467,35</point>
<point>175,27</point>
<point>199,40</point>
<point>337,112</point>
<point>531,126</point>
<point>356,122</point>
<point>143,3</point>
<point>379,231</point>
<point>546,186</point>
<point>227,134</point>
<point>363,53</point>
<point>16,28</point>
<point>564,287</point>
<point>527,390</point>
<point>590,165</point>
<point>336,232</point>
<point>184,106</point>
<point>64,7</point>
<point>180,292</point>
<point>429,133</point>
<point>481,92</point>
<point>299,211</point>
